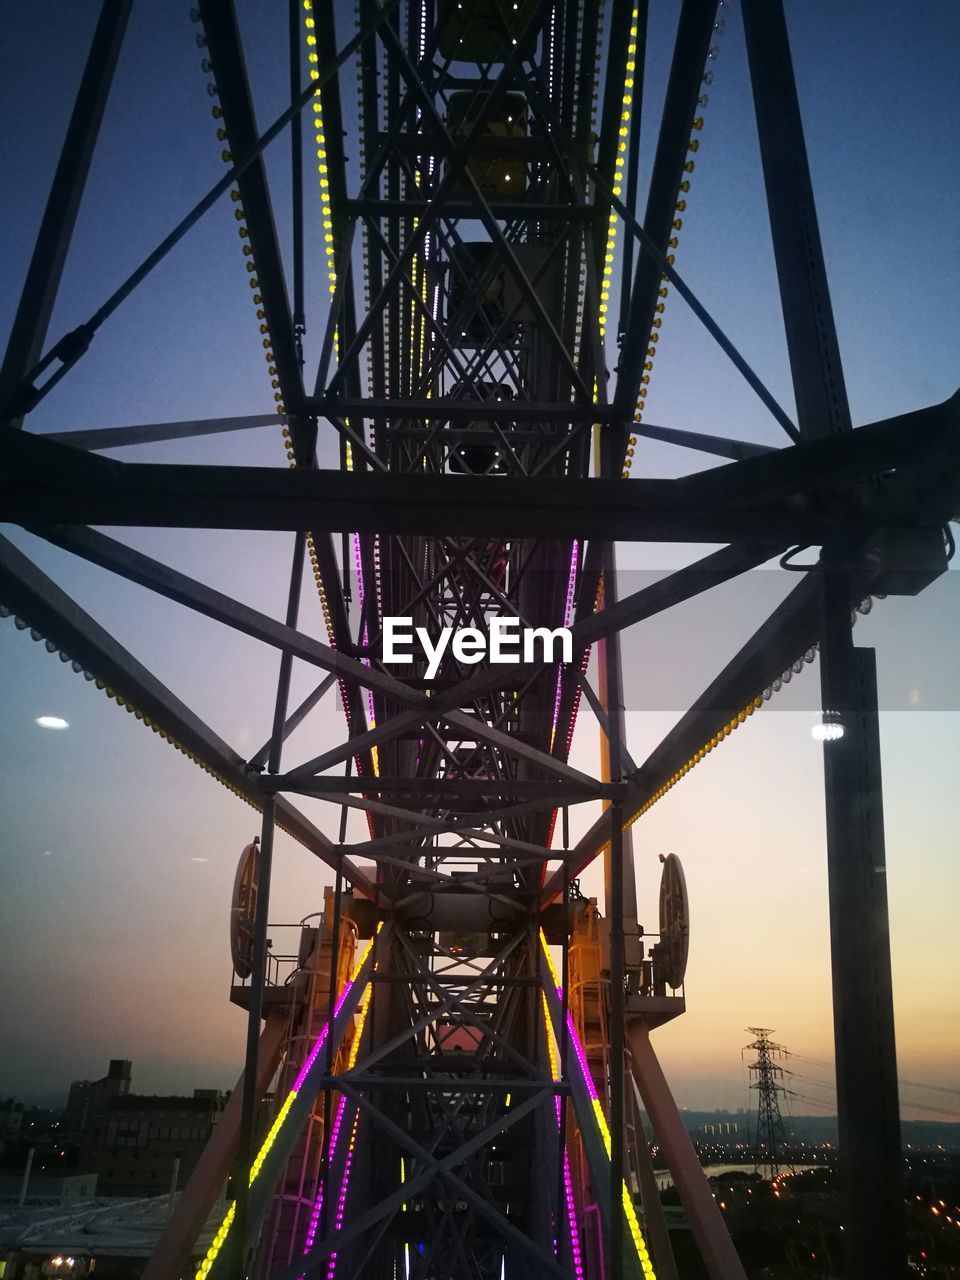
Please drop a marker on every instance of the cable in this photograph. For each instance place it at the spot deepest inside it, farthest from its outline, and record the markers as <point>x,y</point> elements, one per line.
<point>815,1102</point>
<point>937,1088</point>
<point>903,1083</point>
<point>787,557</point>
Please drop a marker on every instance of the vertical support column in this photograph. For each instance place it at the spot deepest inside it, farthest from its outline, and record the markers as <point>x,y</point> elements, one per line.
<point>611,443</point>
<point>706,1221</point>
<point>25,1183</point>
<point>615,922</point>
<point>248,1116</point>
<point>56,229</point>
<point>871,1160</point>
<point>654,1220</point>
<point>258,974</point>
<point>867,1106</point>
<point>620,886</point>
<point>610,693</point>
<point>818,383</point>
<point>331,1003</point>
<point>296,178</point>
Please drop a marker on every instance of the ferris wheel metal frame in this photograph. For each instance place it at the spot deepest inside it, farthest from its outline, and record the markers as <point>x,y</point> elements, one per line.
<point>478,767</point>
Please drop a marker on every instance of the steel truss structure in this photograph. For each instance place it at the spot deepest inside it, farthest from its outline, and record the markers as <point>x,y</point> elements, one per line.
<point>471,242</point>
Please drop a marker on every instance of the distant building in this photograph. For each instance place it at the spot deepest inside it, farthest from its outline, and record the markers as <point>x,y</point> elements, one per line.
<point>95,1095</point>
<point>11,1119</point>
<point>137,1143</point>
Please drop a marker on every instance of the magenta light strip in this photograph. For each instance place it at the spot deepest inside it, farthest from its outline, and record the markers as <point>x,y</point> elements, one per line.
<point>321,1038</point>
<point>571,1206</point>
<point>333,1144</point>
<point>572,1218</point>
<point>578,1050</point>
<point>342,1198</point>
<point>331,1152</point>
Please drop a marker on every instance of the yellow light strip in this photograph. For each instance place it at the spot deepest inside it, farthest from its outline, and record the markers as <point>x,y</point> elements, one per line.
<point>224,1229</point>
<point>695,759</point>
<point>630,1214</point>
<point>313,59</point>
<point>551,1040</point>
<point>693,146</point>
<point>626,110</point>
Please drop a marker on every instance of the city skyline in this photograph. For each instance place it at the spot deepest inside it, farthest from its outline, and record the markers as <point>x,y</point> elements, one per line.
<point>119,855</point>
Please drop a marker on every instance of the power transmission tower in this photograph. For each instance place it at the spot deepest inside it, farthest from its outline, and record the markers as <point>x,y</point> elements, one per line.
<point>766,1078</point>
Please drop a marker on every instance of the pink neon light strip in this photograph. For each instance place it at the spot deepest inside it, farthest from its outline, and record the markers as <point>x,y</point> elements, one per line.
<point>318,1203</point>
<point>569,1200</point>
<point>342,1198</point>
<point>321,1038</point>
<point>578,1050</point>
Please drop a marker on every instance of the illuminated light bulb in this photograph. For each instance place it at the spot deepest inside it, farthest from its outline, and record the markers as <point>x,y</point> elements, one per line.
<point>829,729</point>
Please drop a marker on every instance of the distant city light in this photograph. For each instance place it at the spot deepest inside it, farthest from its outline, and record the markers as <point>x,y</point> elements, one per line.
<point>829,729</point>
<point>52,722</point>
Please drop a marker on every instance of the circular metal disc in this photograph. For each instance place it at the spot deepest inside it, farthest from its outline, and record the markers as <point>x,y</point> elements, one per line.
<point>243,910</point>
<point>674,919</point>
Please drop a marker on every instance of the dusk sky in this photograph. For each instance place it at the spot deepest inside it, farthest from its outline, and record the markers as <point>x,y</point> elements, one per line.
<point>118,854</point>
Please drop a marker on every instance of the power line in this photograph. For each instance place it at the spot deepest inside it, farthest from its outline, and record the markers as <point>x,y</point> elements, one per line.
<point>935,1088</point>
<point>815,1102</point>
<point>908,1084</point>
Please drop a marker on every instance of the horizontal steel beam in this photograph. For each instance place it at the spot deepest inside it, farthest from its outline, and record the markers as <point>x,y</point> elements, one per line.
<point>448,1085</point>
<point>531,210</point>
<point>756,498</point>
<point>720,446</point>
<point>790,630</point>
<point>440,789</point>
<point>460,410</point>
<point>30,594</point>
<point>133,565</point>
<point>152,432</point>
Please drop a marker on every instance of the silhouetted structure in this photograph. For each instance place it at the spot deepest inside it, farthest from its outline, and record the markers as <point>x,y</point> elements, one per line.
<point>139,1144</point>
<point>771,1135</point>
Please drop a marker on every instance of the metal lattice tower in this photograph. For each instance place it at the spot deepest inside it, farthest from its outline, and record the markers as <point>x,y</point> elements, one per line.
<point>767,1075</point>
